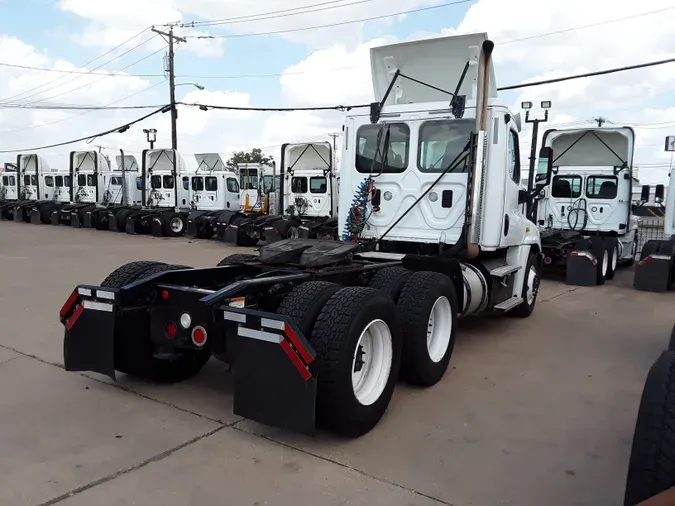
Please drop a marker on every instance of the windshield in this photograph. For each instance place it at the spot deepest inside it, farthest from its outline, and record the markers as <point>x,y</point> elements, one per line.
<point>440,142</point>
<point>248,179</point>
<point>369,149</point>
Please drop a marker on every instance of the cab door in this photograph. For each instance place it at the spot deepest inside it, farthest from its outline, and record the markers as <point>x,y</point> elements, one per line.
<point>210,194</point>
<point>513,224</point>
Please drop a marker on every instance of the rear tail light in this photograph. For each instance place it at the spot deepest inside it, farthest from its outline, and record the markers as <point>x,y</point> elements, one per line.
<point>199,336</point>
<point>171,329</point>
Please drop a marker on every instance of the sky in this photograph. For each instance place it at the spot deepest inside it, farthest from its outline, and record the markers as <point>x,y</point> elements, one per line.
<point>103,53</point>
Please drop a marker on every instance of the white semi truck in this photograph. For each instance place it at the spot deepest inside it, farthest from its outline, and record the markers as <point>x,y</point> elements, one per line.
<point>585,216</point>
<point>318,332</point>
<point>309,193</point>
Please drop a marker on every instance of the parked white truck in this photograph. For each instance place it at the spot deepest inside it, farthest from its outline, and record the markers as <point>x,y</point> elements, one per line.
<point>309,193</point>
<point>585,215</point>
<point>319,331</point>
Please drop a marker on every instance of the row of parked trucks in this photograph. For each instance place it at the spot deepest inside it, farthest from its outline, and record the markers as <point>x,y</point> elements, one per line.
<point>164,197</point>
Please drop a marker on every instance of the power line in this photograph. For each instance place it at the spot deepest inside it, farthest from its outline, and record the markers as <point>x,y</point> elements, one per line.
<point>81,67</point>
<point>334,69</point>
<point>340,108</point>
<point>120,129</point>
<point>65,71</point>
<point>89,111</point>
<point>276,14</point>
<point>592,25</point>
<point>588,74</point>
<point>97,80</point>
<point>331,25</point>
<point>77,107</point>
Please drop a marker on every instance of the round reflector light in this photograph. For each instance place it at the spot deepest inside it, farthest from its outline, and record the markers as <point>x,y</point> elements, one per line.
<point>199,336</point>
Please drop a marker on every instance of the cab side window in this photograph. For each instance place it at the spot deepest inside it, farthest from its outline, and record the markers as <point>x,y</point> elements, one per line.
<point>514,157</point>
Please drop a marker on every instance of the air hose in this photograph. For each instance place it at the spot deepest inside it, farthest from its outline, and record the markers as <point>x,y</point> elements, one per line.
<point>358,212</point>
<point>580,207</point>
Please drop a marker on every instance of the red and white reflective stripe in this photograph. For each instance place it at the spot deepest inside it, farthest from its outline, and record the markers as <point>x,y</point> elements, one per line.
<point>660,257</point>
<point>71,321</point>
<point>69,304</point>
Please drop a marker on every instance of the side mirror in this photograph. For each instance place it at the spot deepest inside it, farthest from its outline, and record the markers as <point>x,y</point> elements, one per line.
<point>544,168</point>
<point>523,196</point>
<point>659,192</point>
<point>644,196</point>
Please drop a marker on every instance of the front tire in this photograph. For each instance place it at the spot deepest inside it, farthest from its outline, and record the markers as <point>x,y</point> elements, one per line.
<point>530,289</point>
<point>358,338</point>
<point>428,308</point>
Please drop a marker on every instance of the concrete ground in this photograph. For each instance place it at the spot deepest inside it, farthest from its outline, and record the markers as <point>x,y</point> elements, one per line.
<point>536,411</point>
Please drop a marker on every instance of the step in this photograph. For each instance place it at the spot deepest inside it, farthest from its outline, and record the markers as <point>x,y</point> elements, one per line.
<point>508,304</point>
<point>505,270</point>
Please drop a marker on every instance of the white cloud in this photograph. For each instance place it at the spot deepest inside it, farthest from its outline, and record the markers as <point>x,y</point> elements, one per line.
<point>641,97</point>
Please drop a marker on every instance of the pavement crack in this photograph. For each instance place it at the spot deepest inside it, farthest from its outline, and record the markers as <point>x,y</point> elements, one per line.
<point>120,387</point>
<point>342,465</point>
<point>561,294</point>
<point>135,467</point>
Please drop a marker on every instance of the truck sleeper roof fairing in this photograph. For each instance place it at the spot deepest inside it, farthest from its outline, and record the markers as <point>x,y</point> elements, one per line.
<point>209,162</point>
<point>438,62</point>
<point>307,156</point>
<point>592,147</point>
<point>130,163</point>
<point>88,162</point>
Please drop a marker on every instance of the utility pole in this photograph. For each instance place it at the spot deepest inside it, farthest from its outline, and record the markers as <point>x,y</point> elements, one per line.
<point>546,105</point>
<point>170,37</point>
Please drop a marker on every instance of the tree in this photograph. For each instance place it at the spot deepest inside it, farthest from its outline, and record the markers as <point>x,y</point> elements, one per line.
<point>254,156</point>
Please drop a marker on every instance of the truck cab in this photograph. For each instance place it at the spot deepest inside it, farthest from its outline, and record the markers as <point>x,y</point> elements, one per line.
<point>423,185</point>
<point>212,186</point>
<point>310,188</point>
<point>30,167</point>
<point>160,171</point>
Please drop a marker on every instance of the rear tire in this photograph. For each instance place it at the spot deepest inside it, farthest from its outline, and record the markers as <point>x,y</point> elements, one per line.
<point>304,303</point>
<point>357,338</point>
<point>652,461</point>
<point>237,259</point>
<point>612,257</point>
<point>134,353</point>
<point>390,280</point>
<point>428,310</point>
<point>121,218</point>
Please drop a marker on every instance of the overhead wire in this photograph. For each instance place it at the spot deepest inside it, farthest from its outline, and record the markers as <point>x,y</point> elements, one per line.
<point>283,13</point>
<point>97,80</point>
<point>120,129</point>
<point>81,67</point>
<point>330,25</point>
<point>108,106</point>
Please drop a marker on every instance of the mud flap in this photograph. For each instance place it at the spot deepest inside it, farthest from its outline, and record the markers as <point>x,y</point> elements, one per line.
<point>88,221</point>
<point>194,224</point>
<point>156,228</point>
<point>304,232</point>
<point>229,233</point>
<point>272,234</point>
<point>18,213</point>
<point>35,216</point>
<point>75,219</point>
<point>89,320</point>
<point>132,222</point>
<point>274,370</point>
<point>112,222</point>
<point>581,269</point>
<point>654,273</point>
